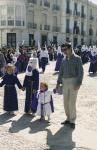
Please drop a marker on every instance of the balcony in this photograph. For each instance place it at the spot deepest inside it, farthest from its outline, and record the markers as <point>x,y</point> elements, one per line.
<point>91,17</point>
<point>40,26</point>
<point>68,11</point>
<point>41,3</point>
<point>56,29</point>
<point>83,33</point>
<point>56,7</point>
<point>68,31</point>
<point>76,30</point>
<point>83,16</point>
<point>76,13</point>
<point>91,32</point>
<point>32,25</point>
<point>47,27</point>
<point>46,4</point>
<point>32,1</point>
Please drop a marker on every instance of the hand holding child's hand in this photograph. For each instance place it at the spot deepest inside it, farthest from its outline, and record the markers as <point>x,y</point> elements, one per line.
<point>34,91</point>
<point>23,89</point>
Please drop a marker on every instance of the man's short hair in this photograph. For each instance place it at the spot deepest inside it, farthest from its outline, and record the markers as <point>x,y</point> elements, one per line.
<point>67,45</point>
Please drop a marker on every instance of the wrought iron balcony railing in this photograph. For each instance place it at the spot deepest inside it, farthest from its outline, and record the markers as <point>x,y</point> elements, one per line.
<point>56,7</point>
<point>32,25</point>
<point>47,27</point>
<point>83,15</point>
<point>68,30</point>
<point>56,29</point>
<point>68,11</point>
<point>32,1</point>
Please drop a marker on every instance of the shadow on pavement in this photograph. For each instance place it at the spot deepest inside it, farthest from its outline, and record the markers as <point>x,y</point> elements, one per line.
<point>38,126</point>
<point>22,123</point>
<point>62,140</point>
<point>92,75</point>
<point>5,118</point>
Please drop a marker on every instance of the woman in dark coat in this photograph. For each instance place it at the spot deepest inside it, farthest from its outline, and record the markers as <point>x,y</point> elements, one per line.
<point>10,94</point>
<point>31,84</point>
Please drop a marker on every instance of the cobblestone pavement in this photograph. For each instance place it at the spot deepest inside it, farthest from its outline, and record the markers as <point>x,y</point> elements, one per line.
<point>23,132</point>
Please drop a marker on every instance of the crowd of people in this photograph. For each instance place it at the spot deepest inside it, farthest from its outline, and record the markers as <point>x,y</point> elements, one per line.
<point>38,98</point>
<point>89,54</point>
<point>20,57</point>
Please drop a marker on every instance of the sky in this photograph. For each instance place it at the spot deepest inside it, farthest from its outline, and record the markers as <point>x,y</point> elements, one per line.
<point>94,1</point>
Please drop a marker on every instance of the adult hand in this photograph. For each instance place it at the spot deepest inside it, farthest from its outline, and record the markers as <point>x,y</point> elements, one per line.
<point>76,87</point>
<point>55,89</point>
<point>23,89</point>
<point>34,91</point>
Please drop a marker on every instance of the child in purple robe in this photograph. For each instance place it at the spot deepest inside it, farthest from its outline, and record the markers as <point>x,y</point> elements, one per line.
<point>31,84</point>
<point>10,94</point>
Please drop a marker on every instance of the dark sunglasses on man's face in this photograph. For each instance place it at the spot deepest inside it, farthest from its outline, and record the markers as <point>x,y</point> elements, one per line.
<point>64,49</point>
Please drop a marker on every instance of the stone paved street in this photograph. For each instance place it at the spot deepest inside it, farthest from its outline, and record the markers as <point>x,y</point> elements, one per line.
<point>22,132</point>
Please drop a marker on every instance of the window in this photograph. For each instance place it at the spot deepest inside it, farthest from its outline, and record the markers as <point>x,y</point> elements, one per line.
<point>10,15</point>
<point>55,1</point>
<point>82,9</point>
<point>10,22</point>
<point>55,40</point>
<point>11,39</point>
<point>3,15</point>
<point>31,16</point>
<point>18,15</point>
<point>10,12</point>
<point>67,23</point>
<point>82,26</point>
<point>55,21</point>
<point>44,39</point>
<point>75,6</point>
<point>68,4</point>
<point>23,15</point>
<point>44,19</point>
<point>3,12</point>
<point>3,22</point>
<point>67,26</point>
<point>90,12</point>
<point>31,40</point>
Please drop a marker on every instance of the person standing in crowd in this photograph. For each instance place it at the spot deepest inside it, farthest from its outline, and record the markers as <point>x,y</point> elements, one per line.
<point>31,84</point>
<point>93,60</point>
<point>84,52</point>
<point>2,63</point>
<point>70,76</point>
<point>51,54</point>
<point>44,59</point>
<point>60,57</point>
<point>10,94</point>
<point>9,57</point>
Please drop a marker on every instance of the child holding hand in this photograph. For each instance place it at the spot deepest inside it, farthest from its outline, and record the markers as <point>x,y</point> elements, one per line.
<point>10,94</point>
<point>45,102</point>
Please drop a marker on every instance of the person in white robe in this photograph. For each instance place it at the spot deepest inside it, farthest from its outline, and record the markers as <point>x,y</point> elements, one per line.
<point>45,102</point>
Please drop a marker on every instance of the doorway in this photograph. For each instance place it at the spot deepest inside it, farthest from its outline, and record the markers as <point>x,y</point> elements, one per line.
<point>11,40</point>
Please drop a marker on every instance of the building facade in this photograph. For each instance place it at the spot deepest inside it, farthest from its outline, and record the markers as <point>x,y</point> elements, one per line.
<point>12,21</point>
<point>47,21</point>
<point>92,24</point>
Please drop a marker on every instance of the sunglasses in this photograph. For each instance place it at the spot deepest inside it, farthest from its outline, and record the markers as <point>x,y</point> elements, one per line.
<point>64,49</point>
